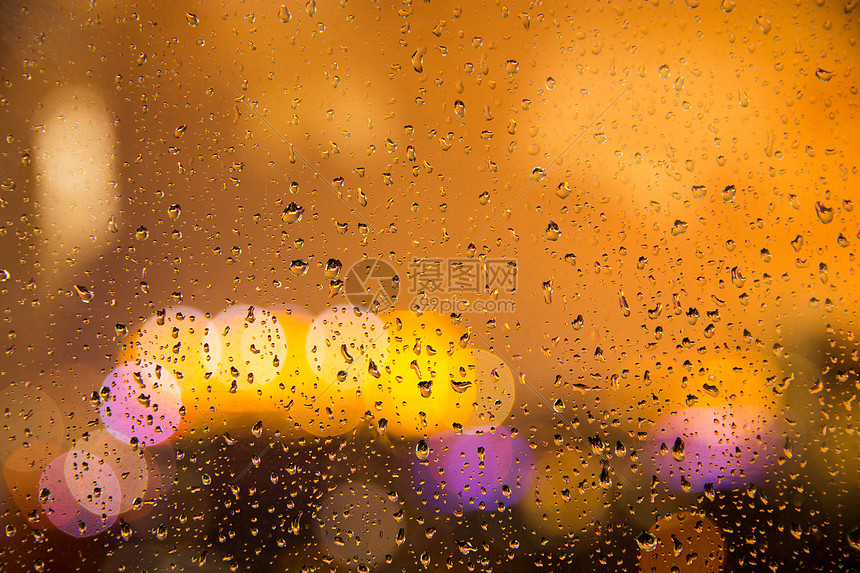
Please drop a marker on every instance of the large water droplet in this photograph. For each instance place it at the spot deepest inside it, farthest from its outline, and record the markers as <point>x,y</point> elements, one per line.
<point>298,267</point>
<point>84,293</point>
<point>646,541</point>
<point>422,450</point>
<point>292,214</point>
<point>332,268</point>
<point>825,213</point>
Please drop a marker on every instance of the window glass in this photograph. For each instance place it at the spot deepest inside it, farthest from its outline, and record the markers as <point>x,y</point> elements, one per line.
<point>405,286</point>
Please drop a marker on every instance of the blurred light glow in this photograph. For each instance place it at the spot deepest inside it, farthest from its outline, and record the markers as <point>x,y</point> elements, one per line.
<point>80,494</point>
<point>494,389</point>
<point>343,342</point>
<point>479,469</point>
<point>428,382</point>
<point>174,339</point>
<point>727,446</point>
<point>253,348</point>
<point>76,172</point>
<point>145,402</point>
<point>128,465</point>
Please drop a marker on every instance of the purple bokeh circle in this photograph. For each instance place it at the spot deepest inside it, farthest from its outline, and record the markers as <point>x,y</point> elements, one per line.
<point>729,447</point>
<point>455,476</point>
<point>144,402</point>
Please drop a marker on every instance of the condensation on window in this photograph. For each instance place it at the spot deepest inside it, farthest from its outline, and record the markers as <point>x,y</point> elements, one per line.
<point>407,286</point>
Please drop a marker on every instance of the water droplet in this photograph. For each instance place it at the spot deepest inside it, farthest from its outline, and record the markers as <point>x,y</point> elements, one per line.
<point>299,267</point>
<point>578,322</point>
<point>710,491</point>
<point>461,386</point>
<point>381,426</point>
<point>142,233</point>
<point>84,293</point>
<point>120,329</point>
<point>679,227</point>
<point>728,5</point>
<point>854,538</point>
<point>547,291</point>
<point>699,191</point>
<point>113,227</point>
<point>825,213</point>
<point>766,256</point>
<point>622,302</point>
<point>512,67</point>
<point>426,388</point>
<point>646,541</point>
<point>191,19</point>
<point>484,198</point>
<point>125,531</point>
<point>737,278</point>
<point>333,268</point>
<point>206,479</point>
<point>729,193</point>
<point>284,14</point>
<point>422,450</point>
<point>823,74</point>
<point>552,231</point>
<point>558,406</point>
<point>257,429</point>
<point>418,59</point>
<point>538,174</point>
<point>174,211</point>
<point>292,214</point>
<point>161,532</point>
<point>563,190</point>
<point>459,108</point>
<point>678,449</point>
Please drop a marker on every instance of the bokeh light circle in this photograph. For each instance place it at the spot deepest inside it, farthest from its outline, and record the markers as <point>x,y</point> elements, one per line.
<point>476,470</point>
<point>494,389</point>
<point>727,446</point>
<point>253,347</point>
<point>80,493</point>
<point>344,344</point>
<point>144,404</point>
